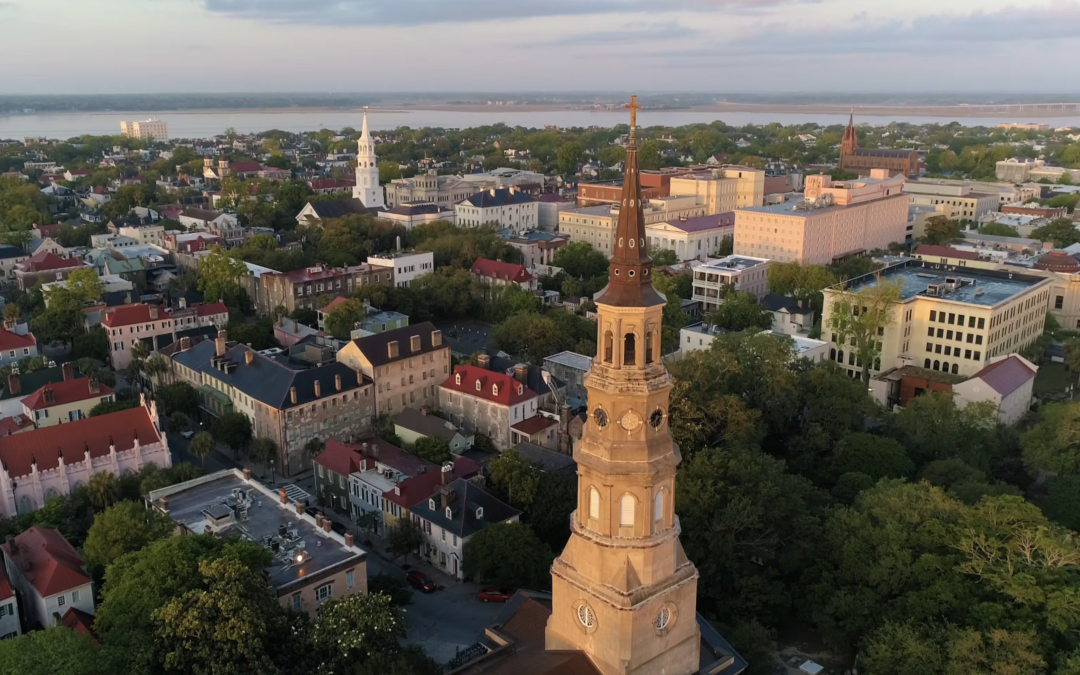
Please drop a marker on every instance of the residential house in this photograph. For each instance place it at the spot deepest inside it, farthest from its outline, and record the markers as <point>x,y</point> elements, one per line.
<point>406,365</point>
<point>406,265</point>
<point>790,316</point>
<point>39,465</point>
<point>450,517</point>
<point>147,322</point>
<point>507,207</point>
<point>50,245</point>
<point>496,405</point>
<point>9,426</point>
<point>1007,381</point>
<point>315,212</point>
<point>714,277</point>
<point>15,346</point>
<point>44,266</point>
<point>570,367</point>
<point>49,576</point>
<point>412,424</point>
<point>67,401</point>
<point>352,477</point>
<point>538,247</point>
<point>302,289</point>
<point>18,386</point>
<point>224,225</point>
<point>287,400</point>
<point>191,242</point>
<point>10,258</point>
<point>10,624</point>
<point>497,273</point>
<point>310,563</point>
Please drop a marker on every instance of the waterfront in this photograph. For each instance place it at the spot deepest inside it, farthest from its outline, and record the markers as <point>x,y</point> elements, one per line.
<point>201,124</point>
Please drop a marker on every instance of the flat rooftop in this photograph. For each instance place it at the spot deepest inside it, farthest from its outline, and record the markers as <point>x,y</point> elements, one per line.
<point>730,263</point>
<point>571,360</point>
<point>230,506</point>
<point>975,287</point>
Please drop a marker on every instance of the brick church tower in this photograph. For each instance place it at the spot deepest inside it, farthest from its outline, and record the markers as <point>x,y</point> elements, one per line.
<point>851,138</point>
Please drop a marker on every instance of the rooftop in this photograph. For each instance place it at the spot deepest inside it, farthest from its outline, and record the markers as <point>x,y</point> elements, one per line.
<point>471,508</point>
<point>736,263</point>
<point>66,392</point>
<point>492,386</point>
<point>571,360</point>
<point>1008,374</point>
<point>225,504</point>
<point>426,424</point>
<point>47,560</point>
<point>976,287</point>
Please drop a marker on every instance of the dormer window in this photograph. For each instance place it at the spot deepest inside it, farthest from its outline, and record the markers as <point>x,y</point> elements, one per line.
<point>479,512</point>
<point>457,378</point>
<point>431,504</point>
<point>494,390</point>
<point>478,385</point>
<point>521,389</point>
<point>449,513</point>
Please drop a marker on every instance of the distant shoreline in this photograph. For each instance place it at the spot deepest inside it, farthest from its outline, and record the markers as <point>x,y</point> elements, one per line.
<point>946,111</point>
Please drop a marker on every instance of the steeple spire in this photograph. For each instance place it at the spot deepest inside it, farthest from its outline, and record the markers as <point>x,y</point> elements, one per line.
<point>851,137</point>
<point>364,135</point>
<point>630,268</point>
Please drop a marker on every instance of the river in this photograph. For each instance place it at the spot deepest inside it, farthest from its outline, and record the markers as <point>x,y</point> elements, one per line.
<point>203,124</point>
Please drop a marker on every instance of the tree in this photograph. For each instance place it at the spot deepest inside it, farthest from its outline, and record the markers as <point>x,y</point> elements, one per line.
<point>859,319</point>
<point>434,450</point>
<point>388,171</point>
<point>509,555</point>
<point>800,281</point>
<point>124,528</point>
<point>391,585</point>
<point>663,257</point>
<point>1061,231</point>
<point>314,446</point>
<point>356,629</point>
<point>1063,501</point>
<point>515,476</point>
<point>740,311</point>
<point>179,423</point>
<point>177,397</point>
<point>85,284</point>
<point>998,230</point>
<point>62,320</point>
<point>263,451</point>
<point>341,320</point>
<point>110,407</point>
<point>404,538</point>
<point>580,260</point>
<point>53,650</point>
<point>219,276</point>
<point>649,157</point>
<point>568,158</point>
<point>727,246</point>
<point>874,456</point>
<point>1053,444</point>
<point>941,230</point>
<point>203,445</point>
<point>104,490</point>
<point>12,312</point>
<point>233,429</point>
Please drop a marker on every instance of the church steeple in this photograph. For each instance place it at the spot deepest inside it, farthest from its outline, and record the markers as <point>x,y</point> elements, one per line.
<point>851,136</point>
<point>623,591</point>
<point>367,188</point>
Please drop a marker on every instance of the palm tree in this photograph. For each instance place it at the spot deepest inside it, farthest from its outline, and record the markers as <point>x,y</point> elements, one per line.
<point>202,446</point>
<point>104,490</point>
<point>179,422</point>
<point>262,451</point>
<point>154,368</point>
<point>314,447</point>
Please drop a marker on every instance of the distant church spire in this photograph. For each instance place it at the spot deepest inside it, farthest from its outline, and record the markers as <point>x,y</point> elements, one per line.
<point>367,188</point>
<point>851,136</point>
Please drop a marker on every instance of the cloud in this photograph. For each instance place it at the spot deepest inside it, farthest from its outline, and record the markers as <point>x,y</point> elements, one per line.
<point>424,12</point>
<point>630,33</point>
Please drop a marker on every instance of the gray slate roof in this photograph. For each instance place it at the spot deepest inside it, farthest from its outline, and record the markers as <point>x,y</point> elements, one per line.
<point>467,498</point>
<point>426,425</point>
<point>775,303</point>
<point>375,347</point>
<point>338,208</point>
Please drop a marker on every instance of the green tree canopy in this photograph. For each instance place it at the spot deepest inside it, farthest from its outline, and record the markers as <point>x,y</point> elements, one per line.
<point>509,555</point>
<point>1062,232</point>
<point>515,476</point>
<point>1053,444</point>
<point>580,260</point>
<point>941,230</point>
<point>123,528</point>
<point>740,311</point>
<point>52,651</point>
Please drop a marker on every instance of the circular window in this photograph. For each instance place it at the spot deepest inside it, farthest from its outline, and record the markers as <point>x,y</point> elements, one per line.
<point>642,243</point>
<point>586,617</point>
<point>616,271</point>
<point>632,243</point>
<point>620,241</point>
<point>631,272</point>
<point>657,418</point>
<point>646,271</point>
<point>600,417</point>
<point>663,619</point>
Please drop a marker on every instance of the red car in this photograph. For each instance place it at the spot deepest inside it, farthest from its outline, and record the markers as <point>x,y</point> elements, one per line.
<point>420,581</point>
<point>493,594</point>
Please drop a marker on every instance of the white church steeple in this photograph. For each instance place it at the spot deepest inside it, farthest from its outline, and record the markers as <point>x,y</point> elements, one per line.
<point>367,188</point>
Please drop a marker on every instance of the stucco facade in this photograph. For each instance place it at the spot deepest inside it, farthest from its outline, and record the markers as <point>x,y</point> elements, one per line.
<point>406,365</point>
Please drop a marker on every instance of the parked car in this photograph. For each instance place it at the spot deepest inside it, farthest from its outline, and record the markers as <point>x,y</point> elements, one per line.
<point>339,528</point>
<point>493,594</point>
<point>187,435</point>
<point>420,581</point>
<point>315,511</point>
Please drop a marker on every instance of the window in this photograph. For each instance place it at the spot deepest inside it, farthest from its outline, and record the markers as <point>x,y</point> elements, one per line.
<point>629,353</point>
<point>74,596</point>
<point>982,323</point>
<point>61,600</point>
<point>350,578</point>
<point>1059,302</point>
<point>933,315</point>
<point>323,592</point>
<point>658,506</point>
<point>296,602</point>
<point>594,503</point>
<point>930,331</point>
<point>585,616</point>
<point>626,511</point>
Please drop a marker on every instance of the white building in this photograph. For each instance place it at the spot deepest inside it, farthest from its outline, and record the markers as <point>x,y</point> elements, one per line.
<point>1008,381</point>
<point>152,128</point>
<point>715,276</point>
<point>691,238</point>
<point>411,214</point>
<point>508,208</point>
<point>49,575</point>
<point>406,265</point>
<point>700,336</point>
<point>367,188</point>
<point>10,625</point>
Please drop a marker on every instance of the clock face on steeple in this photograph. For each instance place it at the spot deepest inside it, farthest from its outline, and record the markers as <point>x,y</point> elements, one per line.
<point>600,417</point>
<point>656,419</point>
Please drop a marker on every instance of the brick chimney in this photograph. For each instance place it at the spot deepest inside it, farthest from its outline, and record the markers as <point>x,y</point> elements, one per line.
<point>521,373</point>
<point>292,395</point>
<point>249,357</point>
<point>326,524</point>
<point>247,474</point>
<point>49,395</point>
<point>283,496</point>
<point>94,386</point>
<point>349,539</point>
<point>185,344</point>
<point>337,383</point>
<point>219,342</point>
<point>300,506</point>
<point>436,338</point>
<point>484,361</point>
<point>392,349</point>
<point>447,473</point>
<point>318,389</point>
<point>68,370</point>
<point>153,312</point>
<point>14,384</point>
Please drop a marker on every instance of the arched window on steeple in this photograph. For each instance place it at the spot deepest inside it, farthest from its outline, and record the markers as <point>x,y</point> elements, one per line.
<point>658,505</point>
<point>629,350</point>
<point>648,347</point>
<point>626,510</point>
<point>594,503</point>
<point>608,347</point>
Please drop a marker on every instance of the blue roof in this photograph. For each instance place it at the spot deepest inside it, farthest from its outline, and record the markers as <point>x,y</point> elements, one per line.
<point>985,287</point>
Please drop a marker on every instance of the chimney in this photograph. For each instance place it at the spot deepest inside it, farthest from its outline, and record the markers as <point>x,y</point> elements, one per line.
<point>163,502</point>
<point>447,473</point>
<point>318,389</point>
<point>247,474</point>
<point>326,524</point>
<point>349,539</point>
<point>292,395</point>
<point>220,342</point>
<point>94,386</point>
<point>283,496</point>
<point>300,506</point>
<point>359,377</point>
<point>414,344</point>
<point>183,303</point>
<point>491,191</point>
<point>392,349</point>
<point>484,361</point>
<point>397,243</point>
<point>337,383</point>
<point>14,384</point>
<point>521,373</point>
<point>68,369</point>
<point>436,338</point>
<point>185,344</point>
<point>50,396</point>
<point>249,356</point>
<point>153,312</point>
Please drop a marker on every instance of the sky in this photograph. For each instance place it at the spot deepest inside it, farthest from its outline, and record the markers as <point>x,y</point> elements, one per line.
<point>135,46</point>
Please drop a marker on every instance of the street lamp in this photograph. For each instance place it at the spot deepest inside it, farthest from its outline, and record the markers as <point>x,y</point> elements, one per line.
<point>273,479</point>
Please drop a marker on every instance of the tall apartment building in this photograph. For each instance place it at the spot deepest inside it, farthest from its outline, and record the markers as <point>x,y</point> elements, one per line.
<point>724,189</point>
<point>961,202</point>
<point>596,224</point>
<point>151,128</point>
<point>740,273</point>
<point>406,364</point>
<point>833,221</point>
<point>952,320</point>
<point>301,289</point>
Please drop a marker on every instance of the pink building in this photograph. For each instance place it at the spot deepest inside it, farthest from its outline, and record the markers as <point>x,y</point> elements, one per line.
<point>835,220</point>
<point>45,267</point>
<point>38,465</point>
<point>498,273</point>
<point>128,324</point>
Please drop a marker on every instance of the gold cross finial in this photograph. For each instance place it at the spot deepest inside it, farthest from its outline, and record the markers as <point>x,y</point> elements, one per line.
<point>633,107</point>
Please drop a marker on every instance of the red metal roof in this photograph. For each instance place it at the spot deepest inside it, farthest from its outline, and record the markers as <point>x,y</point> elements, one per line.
<point>534,425</point>
<point>210,310</point>
<point>945,252</point>
<point>333,303</point>
<point>69,391</point>
<point>47,560</point>
<point>73,439</point>
<point>45,261</point>
<point>129,315</point>
<point>15,425</point>
<point>494,269</point>
<point>78,621</point>
<point>245,167</point>
<point>487,384</point>
<point>339,458</point>
<point>9,340</point>
<point>414,490</point>
<point>1007,375</point>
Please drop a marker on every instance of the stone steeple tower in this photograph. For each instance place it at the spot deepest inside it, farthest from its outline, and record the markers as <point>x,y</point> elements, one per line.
<point>367,188</point>
<point>851,138</point>
<point>623,591</point>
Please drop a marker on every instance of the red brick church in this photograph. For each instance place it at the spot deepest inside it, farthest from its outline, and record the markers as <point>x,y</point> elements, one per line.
<point>862,160</point>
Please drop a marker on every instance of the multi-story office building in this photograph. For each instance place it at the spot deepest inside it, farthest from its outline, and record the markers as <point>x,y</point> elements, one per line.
<point>691,238</point>
<point>723,190</point>
<point>949,319</point>
<point>833,221</point>
<point>961,202</point>
<point>1007,193</point>
<point>405,266</point>
<point>301,289</point>
<point>407,365</point>
<point>151,128</point>
<point>1032,171</point>
<point>713,278</point>
<point>596,224</point>
<point>508,208</point>
<point>430,187</point>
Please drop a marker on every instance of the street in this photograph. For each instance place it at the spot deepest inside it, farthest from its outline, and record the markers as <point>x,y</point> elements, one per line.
<point>442,622</point>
